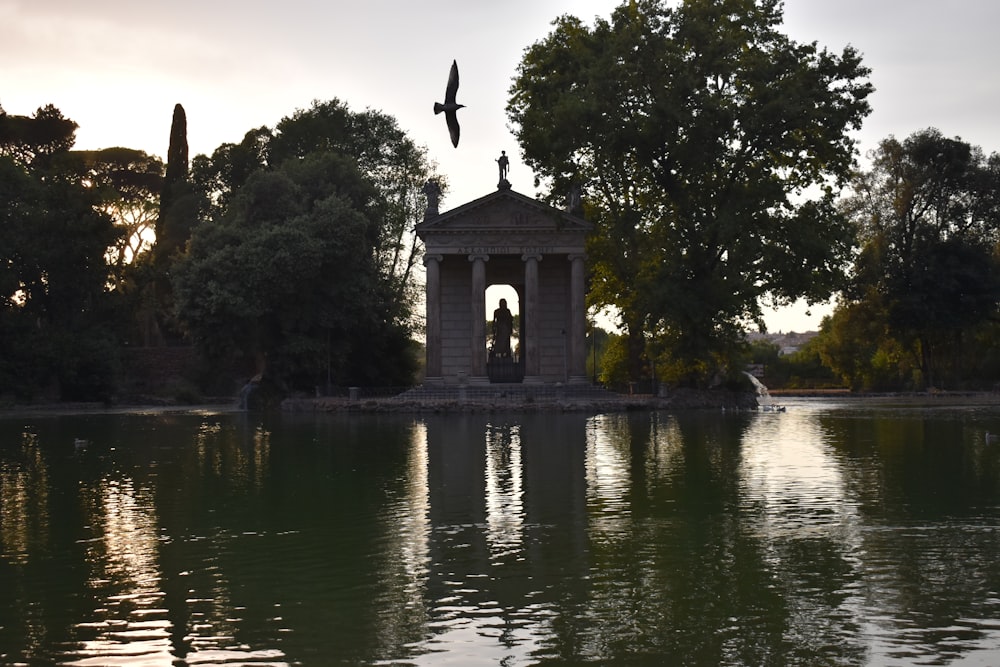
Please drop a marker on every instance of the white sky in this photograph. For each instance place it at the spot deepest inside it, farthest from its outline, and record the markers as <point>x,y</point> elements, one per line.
<point>117,67</point>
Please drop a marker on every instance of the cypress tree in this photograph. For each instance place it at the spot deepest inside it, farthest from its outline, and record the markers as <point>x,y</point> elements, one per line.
<point>178,214</point>
<point>174,182</point>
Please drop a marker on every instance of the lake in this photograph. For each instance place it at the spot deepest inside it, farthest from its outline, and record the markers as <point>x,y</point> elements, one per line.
<point>838,532</point>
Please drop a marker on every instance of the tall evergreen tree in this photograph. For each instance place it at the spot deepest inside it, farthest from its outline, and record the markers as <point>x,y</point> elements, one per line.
<point>179,206</point>
<point>175,185</point>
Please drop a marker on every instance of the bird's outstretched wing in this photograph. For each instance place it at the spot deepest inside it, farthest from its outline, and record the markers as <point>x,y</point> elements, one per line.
<point>452,89</point>
<point>451,118</point>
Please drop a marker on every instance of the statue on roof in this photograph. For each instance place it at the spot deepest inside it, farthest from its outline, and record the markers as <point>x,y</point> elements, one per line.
<point>504,164</point>
<point>432,190</point>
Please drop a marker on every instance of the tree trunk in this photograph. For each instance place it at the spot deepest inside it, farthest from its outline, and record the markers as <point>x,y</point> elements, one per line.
<point>636,350</point>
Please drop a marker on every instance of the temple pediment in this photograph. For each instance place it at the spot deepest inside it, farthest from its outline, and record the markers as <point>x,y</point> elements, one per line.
<point>504,222</point>
<point>504,210</point>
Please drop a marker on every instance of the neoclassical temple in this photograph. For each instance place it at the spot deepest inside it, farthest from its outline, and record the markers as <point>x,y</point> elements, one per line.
<point>505,238</point>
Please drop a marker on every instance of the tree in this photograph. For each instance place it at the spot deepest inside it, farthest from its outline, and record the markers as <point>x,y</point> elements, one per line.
<point>177,159</point>
<point>928,215</point>
<point>387,158</point>
<point>710,147</point>
<point>800,369</point>
<point>179,211</point>
<point>127,183</point>
<point>384,155</point>
<point>179,202</point>
<point>286,280</point>
<point>219,176</point>
<point>334,195</point>
<point>853,344</point>
<point>56,317</point>
<point>32,141</point>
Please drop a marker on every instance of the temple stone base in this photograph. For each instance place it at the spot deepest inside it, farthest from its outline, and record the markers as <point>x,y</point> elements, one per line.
<point>510,393</point>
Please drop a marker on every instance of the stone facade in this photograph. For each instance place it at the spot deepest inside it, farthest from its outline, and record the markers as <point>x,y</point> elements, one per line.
<point>505,238</point>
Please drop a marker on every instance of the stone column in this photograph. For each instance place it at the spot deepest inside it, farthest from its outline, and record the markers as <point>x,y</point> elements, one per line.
<point>433,298</point>
<point>531,326</point>
<point>577,363</point>
<point>477,370</point>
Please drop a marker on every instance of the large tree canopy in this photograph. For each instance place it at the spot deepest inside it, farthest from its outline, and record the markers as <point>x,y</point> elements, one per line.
<point>29,140</point>
<point>304,262</point>
<point>55,319</point>
<point>709,146</point>
<point>127,182</point>
<point>928,215</point>
<point>286,276</point>
<point>385,156</point>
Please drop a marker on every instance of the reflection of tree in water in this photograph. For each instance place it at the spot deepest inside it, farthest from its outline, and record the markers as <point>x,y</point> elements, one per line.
<point>677,542</point>
<point>620,539</point>
<point>926,559</point>
<point>24,490</point>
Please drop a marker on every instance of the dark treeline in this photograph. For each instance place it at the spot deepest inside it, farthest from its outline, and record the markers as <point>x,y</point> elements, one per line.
<point>62,260</point>
<point>288,256</point>
<point>716,160</point>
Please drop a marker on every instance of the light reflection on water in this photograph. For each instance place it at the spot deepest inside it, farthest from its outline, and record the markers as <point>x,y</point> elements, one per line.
<point>504,489</point>
<point>835,534</point>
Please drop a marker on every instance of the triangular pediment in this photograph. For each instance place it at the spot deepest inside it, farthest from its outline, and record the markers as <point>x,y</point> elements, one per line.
<point>504,211</point>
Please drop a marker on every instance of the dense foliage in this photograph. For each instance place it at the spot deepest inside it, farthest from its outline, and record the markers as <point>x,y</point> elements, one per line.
<point>301,267</point>
<point>925,288</point>
<point>285,278</point>
<point>709,146</point>
<point>56,307</point>
<point>289,255</point>
<point>127,183</point>
<point>801,369</point>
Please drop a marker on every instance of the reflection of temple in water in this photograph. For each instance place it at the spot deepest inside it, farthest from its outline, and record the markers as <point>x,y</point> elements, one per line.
<point>501,493</point>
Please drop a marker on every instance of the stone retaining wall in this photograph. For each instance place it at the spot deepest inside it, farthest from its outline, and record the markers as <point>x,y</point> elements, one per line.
<point>155,370</point>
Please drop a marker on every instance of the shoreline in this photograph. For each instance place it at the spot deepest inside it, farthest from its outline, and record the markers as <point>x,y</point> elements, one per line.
<point>685,399</point>
<point>909,398</point>
<point>680,400</point>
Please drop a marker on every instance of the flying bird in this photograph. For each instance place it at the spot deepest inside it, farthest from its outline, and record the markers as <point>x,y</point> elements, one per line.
<point>450,107</point>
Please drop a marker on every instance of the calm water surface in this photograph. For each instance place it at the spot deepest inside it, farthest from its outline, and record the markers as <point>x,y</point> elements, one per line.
<point>836,533</point>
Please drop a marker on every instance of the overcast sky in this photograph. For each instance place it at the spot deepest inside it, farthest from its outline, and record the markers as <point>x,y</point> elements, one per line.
<point>117,67</point>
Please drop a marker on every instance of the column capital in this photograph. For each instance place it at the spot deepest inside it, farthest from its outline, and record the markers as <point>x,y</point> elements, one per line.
<point>432,258</point>
<point>473,258</point>
<point>535,256</point>
<point>576,255</point>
